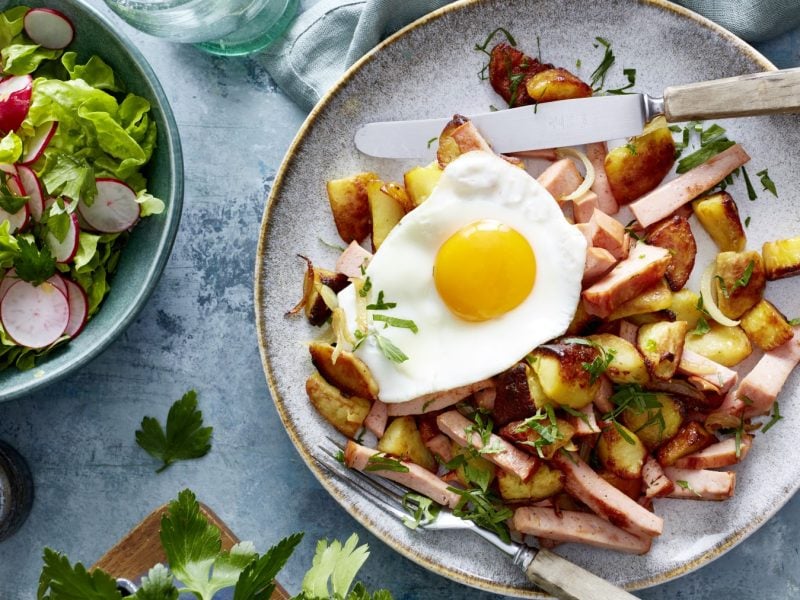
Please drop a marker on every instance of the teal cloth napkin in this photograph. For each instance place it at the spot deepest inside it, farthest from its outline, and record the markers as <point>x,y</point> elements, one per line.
<point>330,35</point>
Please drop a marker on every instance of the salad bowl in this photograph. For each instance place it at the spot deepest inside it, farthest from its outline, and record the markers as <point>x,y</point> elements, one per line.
<point>146,252</point>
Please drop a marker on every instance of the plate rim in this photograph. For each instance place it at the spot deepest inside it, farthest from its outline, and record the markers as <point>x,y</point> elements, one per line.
<point>262,334</point>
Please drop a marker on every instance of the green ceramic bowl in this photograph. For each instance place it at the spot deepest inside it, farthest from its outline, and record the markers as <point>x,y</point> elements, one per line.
<point>147,251</point>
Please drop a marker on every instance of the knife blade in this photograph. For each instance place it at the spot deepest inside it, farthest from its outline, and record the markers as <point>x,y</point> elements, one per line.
<point>596,119</point>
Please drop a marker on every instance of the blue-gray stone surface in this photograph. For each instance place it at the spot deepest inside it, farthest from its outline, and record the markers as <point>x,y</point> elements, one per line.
<point>93,483</point>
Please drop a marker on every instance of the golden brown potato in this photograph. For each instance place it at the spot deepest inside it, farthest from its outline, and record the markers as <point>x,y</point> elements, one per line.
<point>661,345</point>
<point>529,439</point>
<point>637,168</point>
<point>719,216</point>
<point>346,413</point>
<point>313,304</point>
<point>348,373</point>
<point>420,182</point>
<point>626,364</point>
<point>621,452</point>
<point>691,437</point>
<point>685,307</point>
<point>473,464</point>
<point>582,321</point>
<point>509,69</point>
<point>556,84</point>
<point>562,375</point>
<point>781,258</point>
<point>652,300</point>
<point>385,211</point>
<point>458,137</point>
<point>513,400</point>
<point>675,234</point>
<point>766,326</point>
<point>739,280</point>
<point>350,207</point>
<point>544,483</point>
<point>655,425</point>
<point>399,193</point>
<point>630,487</point>
<point>403,440</point>
<point>726,345</point>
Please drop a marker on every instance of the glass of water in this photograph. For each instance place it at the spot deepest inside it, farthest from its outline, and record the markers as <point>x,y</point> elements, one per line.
<point>224,27</point>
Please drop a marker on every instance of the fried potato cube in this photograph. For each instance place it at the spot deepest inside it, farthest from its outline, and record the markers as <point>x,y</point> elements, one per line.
<point>420,182</point>
<point>637,168</point>
<point>473,464</point>
<point>350,207</point>
<point>766,327</point>
<point>626,364</point>
<point>661,344</point>
<point>513,400</point>
<point>562,375</point>
<point>691,437</point>
<point>348,373</point>
<point>458,137</point>
<point>530,440</point>
<point>556,84</point>
<point>544,483</point>
<point>316,311</point>
<point>739,280</point>
<point>385,211</point>
<point>582,321</point>
<point>781,258</point>
<point>727,346</point>
<point>621,452</point>
<point>719,216</point>
<point>655,425</point>
<point>684,306</point>
<point>509,69</point>
<point>656,298</point>
<point>345,413</point>
<point>675,234</point>
<point>403,440</point>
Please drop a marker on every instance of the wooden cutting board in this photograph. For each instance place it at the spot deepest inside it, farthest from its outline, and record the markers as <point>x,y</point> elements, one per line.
<point>140,549</point>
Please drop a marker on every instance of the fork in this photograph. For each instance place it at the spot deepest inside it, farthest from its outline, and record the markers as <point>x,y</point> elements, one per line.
<point>555,575</point>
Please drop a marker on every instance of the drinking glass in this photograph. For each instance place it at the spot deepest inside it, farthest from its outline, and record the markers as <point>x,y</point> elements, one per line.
<point>223,27</point>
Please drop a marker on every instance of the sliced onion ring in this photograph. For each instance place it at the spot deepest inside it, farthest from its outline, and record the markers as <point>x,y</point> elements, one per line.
<point>588,179</point>
<point>710,302</point>
<point>343,335</point>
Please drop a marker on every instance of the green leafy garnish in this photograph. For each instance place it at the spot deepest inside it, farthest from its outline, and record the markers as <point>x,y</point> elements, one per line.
<point>485,45</point>
<point>600,364</point>
<point>632,397</point>
<point>701,328</point>
<point>388,349</point>
<point>184,438</point>
<point>433,139</point>
<point>631,75</point>
<point>381,462</point>
<point>61,581</point>
<point>599,74</point>
<point>10,202</point>
<point>703,154</point>
<point>484,510</point>
<point>548,433</point>
<point>32,264</point>
<point>422,509</point>
<point>685,485</point>
<point>365,287</point>
<point>396,322</point>
<point>776,416</point>
<point>768,184</point>
<point>751,191</point>
<point>747,222</point>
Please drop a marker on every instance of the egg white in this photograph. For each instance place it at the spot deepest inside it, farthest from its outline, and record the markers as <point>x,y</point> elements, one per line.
<point>448,351</point>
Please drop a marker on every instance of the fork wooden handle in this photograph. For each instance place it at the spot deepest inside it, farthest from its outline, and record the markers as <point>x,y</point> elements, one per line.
<point>757,94</point>
<point>568,581</point>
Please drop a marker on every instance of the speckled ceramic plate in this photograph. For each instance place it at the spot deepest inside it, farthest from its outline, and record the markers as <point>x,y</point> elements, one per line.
<point>429,70</point>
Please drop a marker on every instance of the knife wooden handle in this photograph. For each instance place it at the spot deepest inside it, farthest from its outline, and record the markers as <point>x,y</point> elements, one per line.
<point>568,581</point>
<point>767,93</point>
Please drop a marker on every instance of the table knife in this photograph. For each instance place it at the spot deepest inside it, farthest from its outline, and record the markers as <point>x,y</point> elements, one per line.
<point>596,119</point>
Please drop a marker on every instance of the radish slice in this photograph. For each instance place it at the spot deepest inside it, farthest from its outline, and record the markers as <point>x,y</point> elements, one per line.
<point>15,100</point>
<point>10,169</point>
<point>49,28</point>
<point>34,316</point>
<point>9,279</point>
<point>37,144</point>
<point>78,308</point>
<point>32,188</point>
<point>60,283</point>
<point>20,218</point>
<point>65,251</point>
<point>114,208</point>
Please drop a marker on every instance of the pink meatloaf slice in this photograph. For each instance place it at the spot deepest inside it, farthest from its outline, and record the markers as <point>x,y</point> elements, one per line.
<point>417,478</point>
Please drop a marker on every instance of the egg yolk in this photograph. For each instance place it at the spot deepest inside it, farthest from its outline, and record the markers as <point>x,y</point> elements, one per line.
<point>484,270</point>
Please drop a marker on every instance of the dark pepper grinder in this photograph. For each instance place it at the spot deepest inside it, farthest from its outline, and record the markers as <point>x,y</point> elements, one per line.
<point>16,490</point>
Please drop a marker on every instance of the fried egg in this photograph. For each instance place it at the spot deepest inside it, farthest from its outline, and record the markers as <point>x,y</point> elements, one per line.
<point>486,269</point>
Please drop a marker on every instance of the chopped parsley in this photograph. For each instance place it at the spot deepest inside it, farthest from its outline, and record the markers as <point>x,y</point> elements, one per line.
<point>365,287</point>
<point>685,485</point>
<point>548,433</point>
<point>599,74</point>
<point>751,192</point>
<point>703,154</point>
<point>747,222</point>
<point>631,75</point>
<point>433,139</point>
<point>701,328</point>
<point>631,148</point>
<point>485,45</point>
<point>632,396</point>
<point>381,462</point>
<point>422,509</point>
<point>768,184</point>
<point>396,322</point>
<point>776,416</point>
<point>483,509</point>
<point>381,304</point>
<point>600,364</point>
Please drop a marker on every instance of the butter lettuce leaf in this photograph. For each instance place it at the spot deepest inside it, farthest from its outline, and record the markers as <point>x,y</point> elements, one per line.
<point>22,59</point>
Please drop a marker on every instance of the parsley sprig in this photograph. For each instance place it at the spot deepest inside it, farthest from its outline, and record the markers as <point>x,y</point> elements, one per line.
<point>483,509</point>
<point>632,397</point>
<point>184,437</point>
<point>545,425</point>
<point>385,345</point>
<point>382,462</point>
